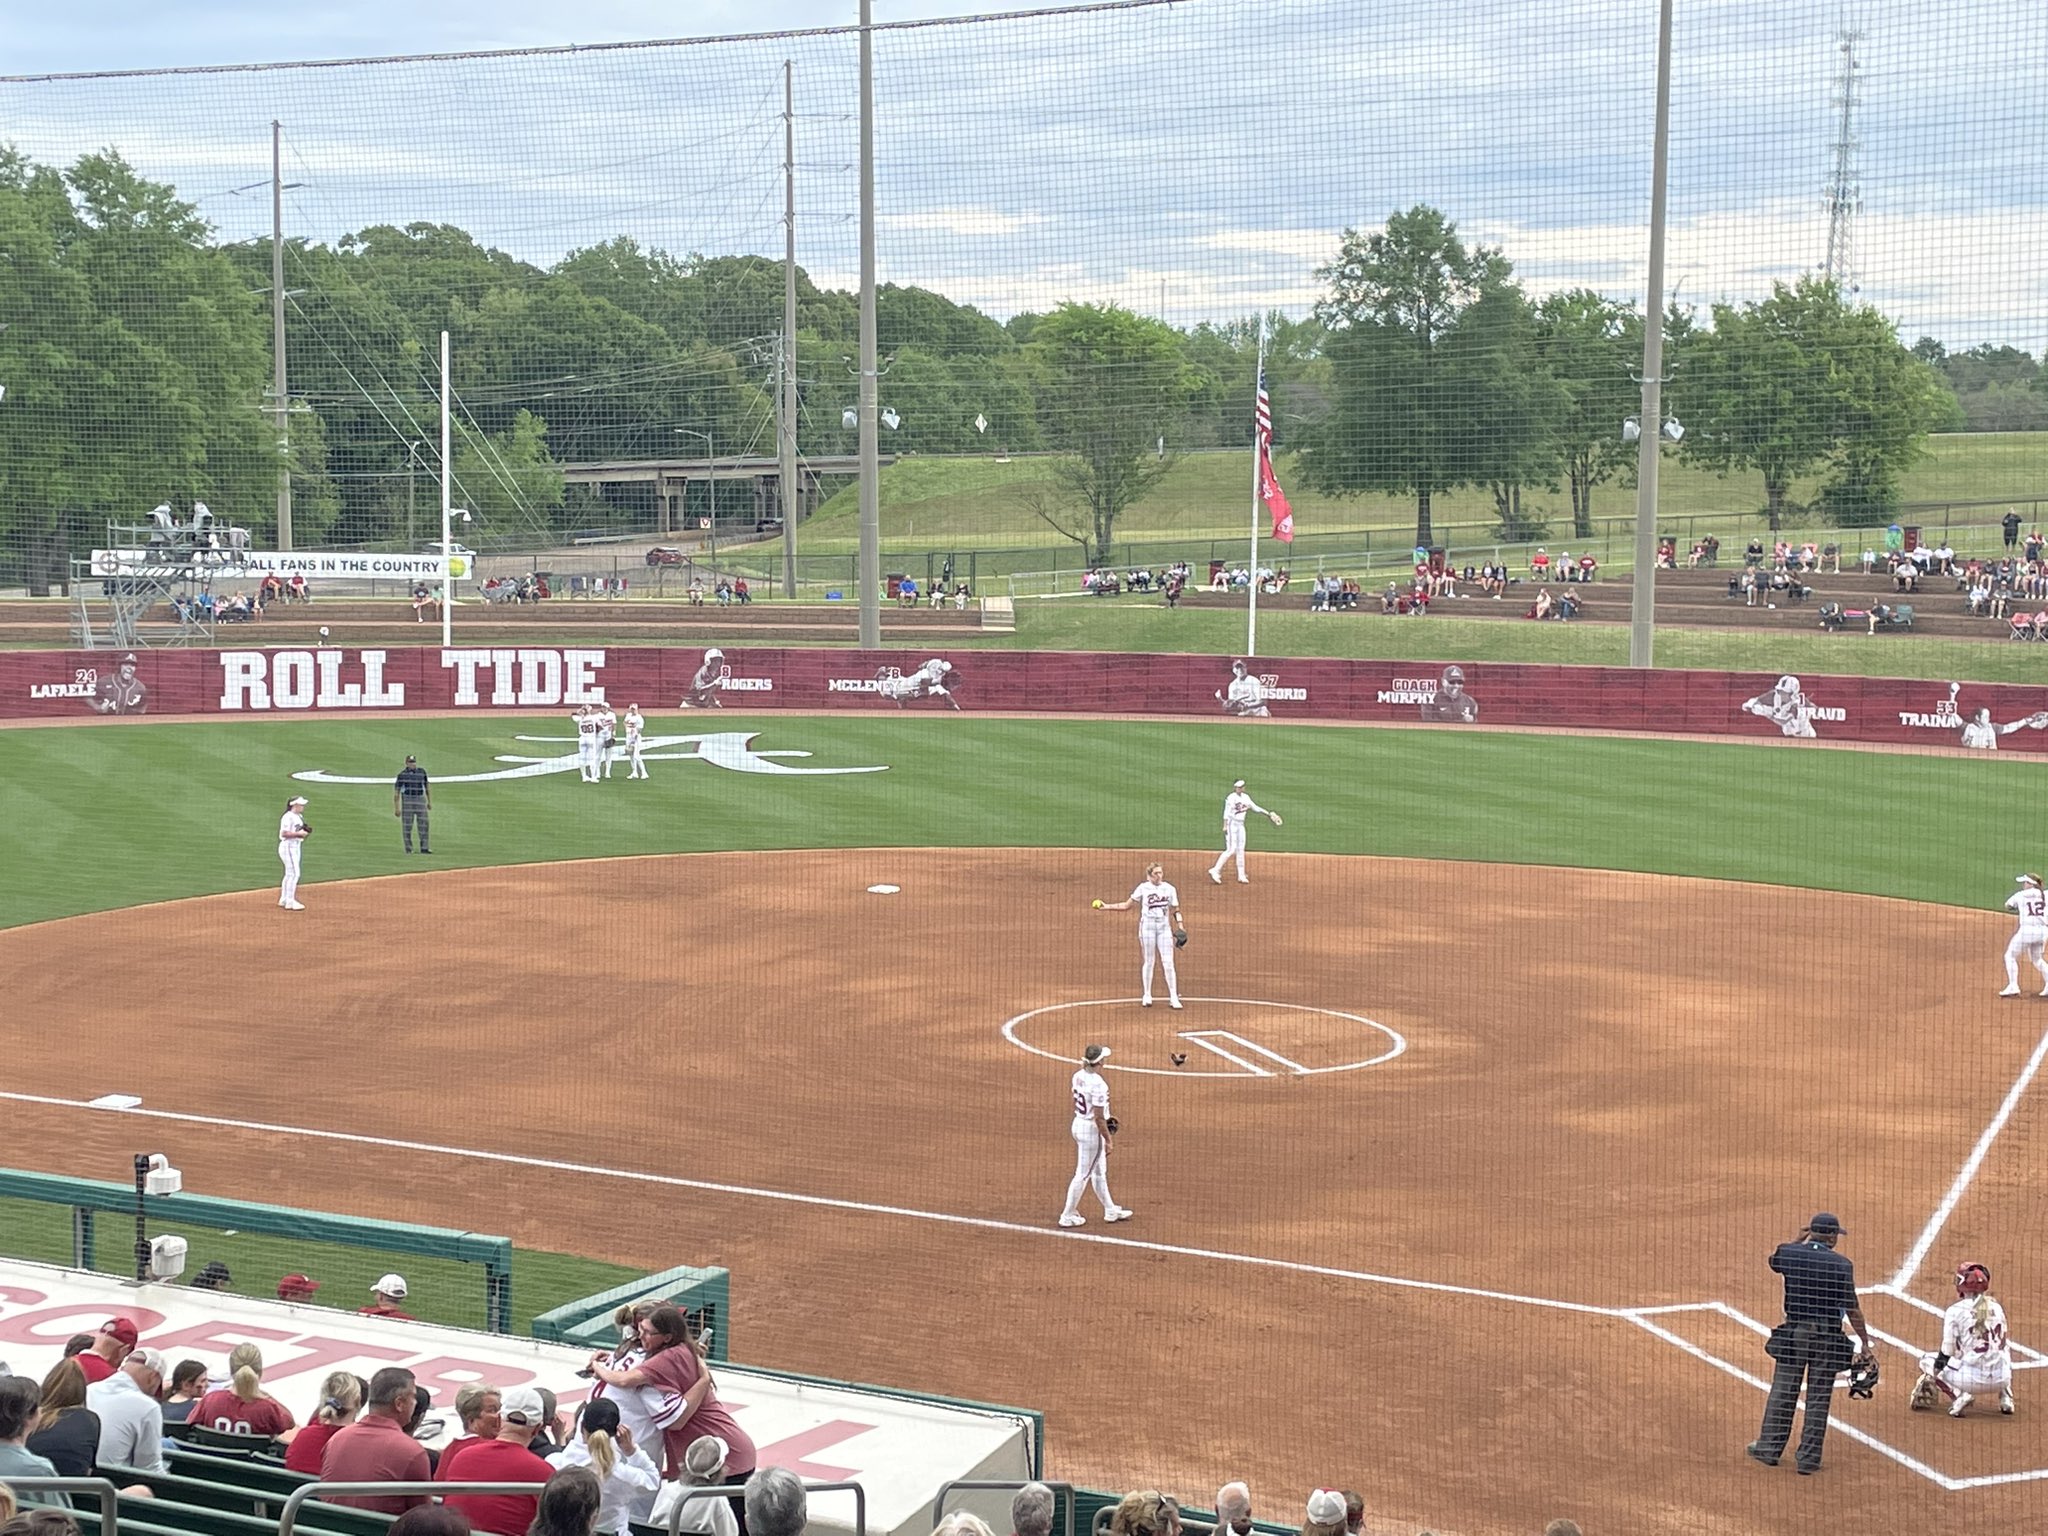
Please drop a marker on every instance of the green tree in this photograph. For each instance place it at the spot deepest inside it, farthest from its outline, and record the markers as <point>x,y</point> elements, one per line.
<point>507,478</point>
<point>1804,381</point>
<point>1414,359</point>
<point>1112,390</point>
<point>1588,343</point>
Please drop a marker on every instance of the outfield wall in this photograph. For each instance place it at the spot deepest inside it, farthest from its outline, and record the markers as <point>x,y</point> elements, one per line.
<point>83,684</point>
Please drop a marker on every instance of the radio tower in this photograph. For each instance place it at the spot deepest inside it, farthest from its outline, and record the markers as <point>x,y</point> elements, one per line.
<point>1844,191</point>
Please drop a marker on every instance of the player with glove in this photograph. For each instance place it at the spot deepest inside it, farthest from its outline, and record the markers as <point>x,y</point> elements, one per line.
<point>292,832</point>
<point>1093,1127</point>
<point>1158,907</point>
<point>1975,1355</point>
<point>1235,804</point>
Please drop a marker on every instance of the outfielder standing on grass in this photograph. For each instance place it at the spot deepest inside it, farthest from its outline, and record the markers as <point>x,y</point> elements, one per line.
<point>2030,904</point>
<point>1235,804</point>
<point>635,724</point>
<point>1158,907</point>
<point>1093,1127</point>
<point>292,832</point>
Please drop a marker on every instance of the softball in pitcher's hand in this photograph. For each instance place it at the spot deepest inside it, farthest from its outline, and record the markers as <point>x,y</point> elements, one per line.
<point>1096,904</point>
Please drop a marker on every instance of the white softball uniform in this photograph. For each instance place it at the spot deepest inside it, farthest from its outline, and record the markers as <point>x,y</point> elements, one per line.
<point>1156,902</point>
<point>288,850</point>
<point>1235,804</point>
<point>1091,1155</point>
<point>588,730</point>
<point>1979,1360</point>
<point>1981,735</point>
<point>2030,904</point>
<point>608,724</point>
<point>635,724</point>
<point>1245,696</point>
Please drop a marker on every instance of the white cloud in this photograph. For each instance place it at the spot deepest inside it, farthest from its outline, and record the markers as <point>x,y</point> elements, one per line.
<point>962,221</point>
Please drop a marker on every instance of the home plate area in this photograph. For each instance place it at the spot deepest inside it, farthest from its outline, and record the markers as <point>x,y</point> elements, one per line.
<point>1230,1037</point>
<point>1985,1449</point>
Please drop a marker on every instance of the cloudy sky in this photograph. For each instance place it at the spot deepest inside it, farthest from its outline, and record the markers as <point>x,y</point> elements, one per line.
<point>1196,159</point>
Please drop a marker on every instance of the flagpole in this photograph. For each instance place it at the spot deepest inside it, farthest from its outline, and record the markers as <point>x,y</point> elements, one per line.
<point>1251,612</point>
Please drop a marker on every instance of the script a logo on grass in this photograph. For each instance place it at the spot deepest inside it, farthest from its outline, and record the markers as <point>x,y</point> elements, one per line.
<point>721,749</point>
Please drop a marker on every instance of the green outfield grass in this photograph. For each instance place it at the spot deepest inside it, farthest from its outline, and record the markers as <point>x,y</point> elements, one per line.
<point>111,816</point>
<point>981,503</point>
<point>438,1290</point>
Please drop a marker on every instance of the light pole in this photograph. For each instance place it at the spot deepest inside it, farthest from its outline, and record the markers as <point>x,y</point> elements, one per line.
<point>711,464</point>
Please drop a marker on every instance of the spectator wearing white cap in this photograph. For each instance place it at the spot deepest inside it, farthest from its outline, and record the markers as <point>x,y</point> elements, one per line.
<point>703,1467</point>
<point>506,1459</point>
<point>626,1479</point>
<point>131,1414</point>
<point>389,1292</point>
<point>1234,1509</point>
<point>1325,1513</point>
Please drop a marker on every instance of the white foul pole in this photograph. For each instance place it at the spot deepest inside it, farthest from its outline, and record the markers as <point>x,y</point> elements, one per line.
<point>447,564</point>
<point>1251,612</point>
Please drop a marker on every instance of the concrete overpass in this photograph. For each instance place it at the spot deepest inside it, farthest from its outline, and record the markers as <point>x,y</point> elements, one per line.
<point>671,479</point>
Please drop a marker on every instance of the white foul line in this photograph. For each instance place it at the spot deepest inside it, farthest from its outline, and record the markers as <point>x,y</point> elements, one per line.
<point>1910,1265</point>
<point>832,1203</point>
<point>1292,1066</point>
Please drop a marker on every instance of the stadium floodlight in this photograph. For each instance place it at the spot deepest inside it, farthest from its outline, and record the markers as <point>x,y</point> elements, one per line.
<point>890,419</point>
<point>849,418</point>
<point>1673,428</point>
<point>1631,431</point>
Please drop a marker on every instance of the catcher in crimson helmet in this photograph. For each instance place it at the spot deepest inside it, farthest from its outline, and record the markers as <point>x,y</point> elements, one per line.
<point>1975,1357</point>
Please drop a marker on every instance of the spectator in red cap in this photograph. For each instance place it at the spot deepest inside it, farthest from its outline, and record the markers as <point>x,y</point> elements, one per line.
<point>110,1346</point>
<point>297,1288</point>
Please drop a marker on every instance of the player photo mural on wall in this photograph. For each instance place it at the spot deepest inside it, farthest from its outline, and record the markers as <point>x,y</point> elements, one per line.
<point>936,679</point>
<point>121,692</point>
<point>1244,695</point>
<point>1788,707</point>
<point>1979,732</point>
<point>1449,702</point>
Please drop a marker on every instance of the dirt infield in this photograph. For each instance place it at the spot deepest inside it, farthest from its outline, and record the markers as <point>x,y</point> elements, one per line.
<point>1423,1277</point>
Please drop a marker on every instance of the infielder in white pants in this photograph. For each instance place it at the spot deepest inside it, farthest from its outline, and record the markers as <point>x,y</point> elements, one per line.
<point>1159,923</point>
<point>1092,1132</point>
<point>291,836</point>
<point>2031,938</point>
<point>1235,804</point>
<point>635,724</point>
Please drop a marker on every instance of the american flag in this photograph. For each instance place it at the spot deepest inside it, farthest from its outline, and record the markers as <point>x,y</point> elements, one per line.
<point>1269,486</point>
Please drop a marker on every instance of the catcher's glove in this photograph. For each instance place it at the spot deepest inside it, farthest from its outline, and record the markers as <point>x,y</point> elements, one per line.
<point>1180,938</point>
<point>1114,1124</point>
<point>1863,1376</point>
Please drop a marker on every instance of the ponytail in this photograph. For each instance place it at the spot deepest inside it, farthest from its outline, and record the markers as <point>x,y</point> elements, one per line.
<point>1980,1314</point>
<point>604,1455</point>
<point>248,1386</point>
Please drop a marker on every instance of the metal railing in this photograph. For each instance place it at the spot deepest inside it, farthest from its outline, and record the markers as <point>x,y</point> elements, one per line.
<point>422,1491</point>
<point>109,1496</point>
<point>738,1490</point>
<point>1001,1485</point>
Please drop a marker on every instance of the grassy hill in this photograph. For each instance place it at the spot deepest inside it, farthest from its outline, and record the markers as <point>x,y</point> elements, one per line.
<point>981,503</point>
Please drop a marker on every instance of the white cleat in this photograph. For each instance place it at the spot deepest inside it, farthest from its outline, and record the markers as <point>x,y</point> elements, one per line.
<point>2005,1401</point>
<point>1121,1213</point>
<point>1242,881</point>
<point>1215,877</point>
<point>1144,1002</point>
<point>1962,1402</point>
<point>1073,1219</point>
<point>295,906</point>
<point>2010,992</point>
<point>1173,1003</point>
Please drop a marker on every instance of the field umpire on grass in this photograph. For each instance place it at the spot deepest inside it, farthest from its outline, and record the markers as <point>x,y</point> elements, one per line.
<point>411,800</point>
<point>1820,1290</point>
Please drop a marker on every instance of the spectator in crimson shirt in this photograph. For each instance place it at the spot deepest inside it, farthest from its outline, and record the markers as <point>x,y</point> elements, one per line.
<point>242,1407</point>
<point>507,1459</point>
<point>110,1346</point>
<point>476,1405</point>
<point>377,1449</point>
<point>688,1404</point>
<point>389,1292</point>
<point>341,1395</point>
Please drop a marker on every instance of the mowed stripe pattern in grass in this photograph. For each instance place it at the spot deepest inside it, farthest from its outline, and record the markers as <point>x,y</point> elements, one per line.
<point>105,817</point>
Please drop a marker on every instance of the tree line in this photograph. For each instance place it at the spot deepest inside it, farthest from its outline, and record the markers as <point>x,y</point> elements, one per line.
<point>136,361</point>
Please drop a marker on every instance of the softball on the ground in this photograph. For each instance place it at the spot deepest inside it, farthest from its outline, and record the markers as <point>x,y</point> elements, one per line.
<point>1097,905</point>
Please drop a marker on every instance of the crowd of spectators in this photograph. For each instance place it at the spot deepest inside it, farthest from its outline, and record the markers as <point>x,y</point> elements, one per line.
<point>530,588</point>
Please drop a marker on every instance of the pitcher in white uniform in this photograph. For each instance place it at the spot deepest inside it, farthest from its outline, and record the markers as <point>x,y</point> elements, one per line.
<point>1091,1141</point>
<point>1975,1356</point>
<point>2030,904</point>
<point>1158,907</point>
<point>636,723</point>
<point>1235,804</point>
<point>291,835</point>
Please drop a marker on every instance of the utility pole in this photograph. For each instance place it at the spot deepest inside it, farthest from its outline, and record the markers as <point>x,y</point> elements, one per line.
<point>786,353</point>
<point>1844,197</point>
<point>277,369</point>
<point>870,564</point>
<point>1643,602</point>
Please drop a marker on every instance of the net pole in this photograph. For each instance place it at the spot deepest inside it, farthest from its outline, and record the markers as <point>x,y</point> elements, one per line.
<point>447,505</point>
<point>1643,597</point>
<point>1251,611</point>
<point>786,444</point>
<point>277,358</point>
<point>870,442</point>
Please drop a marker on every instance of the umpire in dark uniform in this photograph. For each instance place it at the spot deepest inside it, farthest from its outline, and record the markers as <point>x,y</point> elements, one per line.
<point>1820,1290</point>
<point>411,800</point>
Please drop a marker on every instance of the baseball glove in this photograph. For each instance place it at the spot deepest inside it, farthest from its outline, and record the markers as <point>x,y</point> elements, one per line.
<point>1863,1376</point>
<point>1276,819</point>
<point>1180,938</point>
<point>1114,1124</point>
